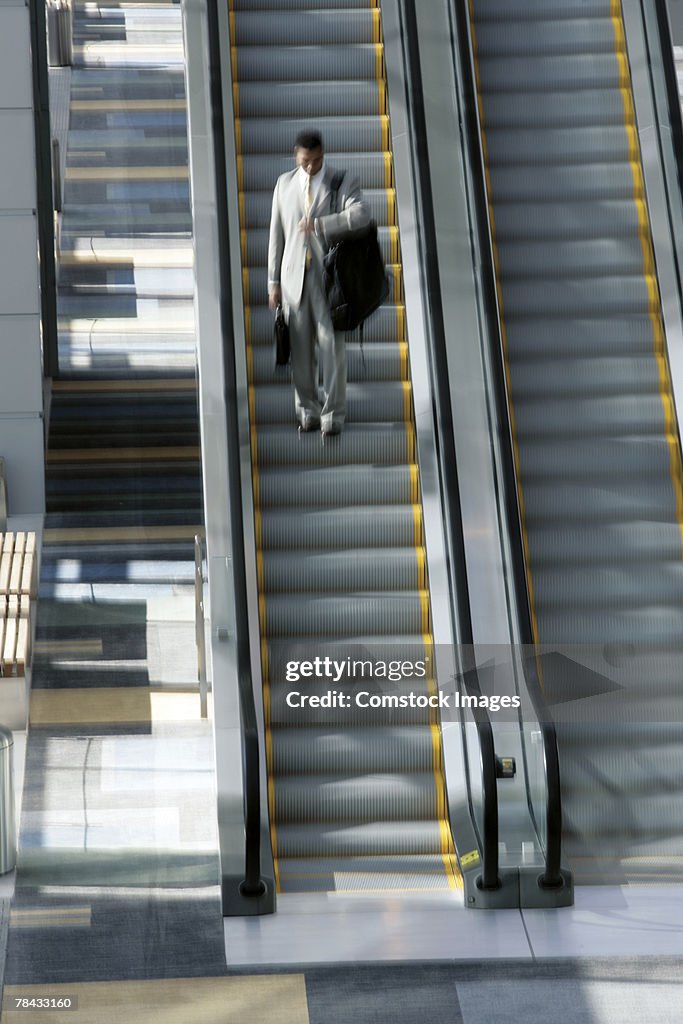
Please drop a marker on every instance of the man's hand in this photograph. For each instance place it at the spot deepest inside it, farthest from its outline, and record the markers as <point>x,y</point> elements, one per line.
<point>274,296</point>
<point>306,227</point>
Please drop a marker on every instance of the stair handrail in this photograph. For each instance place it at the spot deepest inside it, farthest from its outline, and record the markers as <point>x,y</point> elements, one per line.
<point>253,884</point>
<point>460,603</point>
<point>552,876</point>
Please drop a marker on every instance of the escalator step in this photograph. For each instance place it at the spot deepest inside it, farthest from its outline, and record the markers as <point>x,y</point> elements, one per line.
<point>607,416</point>
<point>363,874</point>
<point>376,361</point>
<point>365,526</point>
<point>602,144</point>
<point>596,458</point>
<point>348,99</point>
<point>525,182</point>
<point>324,486</point>
<point>382,444</point>
<point>282,7</point>
<point>344,615</point>
<point>361,751</point>
<point>550,74</point>
<point>344,839</point>
<point>356,134</point>
<point>570,108</point>
<point>615,586</point>
<point>365,403</point>
<point>583,297</point>
<point>545,37</point>
<point>320,28</point>
<point>530,337</point>
<point>286,63</point>
<point>385,324</point>
<point>543,258</point>
<point>661,625</point>
<point>533,10</point>
<point>354,799</point>
<point>599,501</point>
<point>598,543</point>
<point>339,571</point>
<point>566,221</point>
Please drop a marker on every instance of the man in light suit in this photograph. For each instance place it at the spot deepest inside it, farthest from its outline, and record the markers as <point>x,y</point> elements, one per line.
<point>302,228</point>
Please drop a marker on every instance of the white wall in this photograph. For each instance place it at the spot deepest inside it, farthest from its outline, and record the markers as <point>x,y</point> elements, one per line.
<point>21,404</point>
<point>676,15</point>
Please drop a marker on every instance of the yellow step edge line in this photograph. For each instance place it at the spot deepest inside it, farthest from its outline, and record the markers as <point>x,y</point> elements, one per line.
<point>407,400</point>
<point>120,533</point>
<point>382,96</point>
<point>126,173</point>
<point>159,258</point>
<point>401,323</point>
<point>403,357</point>
<point>116,105</point>
<point>122,454</point>
<point>391,205</point>
<point>379,60</point>
<point>247,329</point>
<point>171,384</point>
<point>388,170</point>
<point>645,232</point>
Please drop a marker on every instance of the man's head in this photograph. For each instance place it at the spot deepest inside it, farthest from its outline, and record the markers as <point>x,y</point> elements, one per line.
<point>308,151</point>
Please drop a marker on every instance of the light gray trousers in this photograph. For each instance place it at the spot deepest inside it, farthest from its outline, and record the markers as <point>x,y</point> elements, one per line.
<point>313,338</point>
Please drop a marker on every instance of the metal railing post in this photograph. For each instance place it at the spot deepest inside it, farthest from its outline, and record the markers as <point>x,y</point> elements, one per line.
<point>8,835</point>
<point>200,632</point>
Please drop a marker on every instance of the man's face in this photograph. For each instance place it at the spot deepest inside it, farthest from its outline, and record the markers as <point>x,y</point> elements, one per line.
<point>310,159</point>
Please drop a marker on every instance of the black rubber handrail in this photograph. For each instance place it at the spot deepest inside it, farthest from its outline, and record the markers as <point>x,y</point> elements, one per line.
<point>253,884</point>
<point>552,876</point>
<point>672,94</point>
<point>460,606</point>
<point>665,51</point>
<point>45,207</point>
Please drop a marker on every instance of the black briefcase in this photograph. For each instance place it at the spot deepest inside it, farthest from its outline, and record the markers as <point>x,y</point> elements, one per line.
<point>281,338</point>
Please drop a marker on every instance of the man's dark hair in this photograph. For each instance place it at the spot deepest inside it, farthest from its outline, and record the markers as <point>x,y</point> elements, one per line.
<point>309,139</point>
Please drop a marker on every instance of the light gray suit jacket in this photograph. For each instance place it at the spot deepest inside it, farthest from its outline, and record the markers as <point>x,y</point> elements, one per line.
<point>287,246</point>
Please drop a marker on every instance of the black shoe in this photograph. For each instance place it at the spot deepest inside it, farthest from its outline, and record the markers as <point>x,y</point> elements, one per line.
<point>308,425</point>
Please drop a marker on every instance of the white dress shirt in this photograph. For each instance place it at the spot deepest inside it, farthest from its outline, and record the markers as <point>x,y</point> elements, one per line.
<point>315,179</point>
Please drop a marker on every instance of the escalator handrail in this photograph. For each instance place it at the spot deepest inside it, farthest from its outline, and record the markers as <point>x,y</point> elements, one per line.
<point>252,884</point>
<point>552,876</point>
<point>675,116</point>
<point>671,81</point>
<point>460,605</point>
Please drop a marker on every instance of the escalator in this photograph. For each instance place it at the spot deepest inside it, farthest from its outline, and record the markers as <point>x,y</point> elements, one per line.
<point>357,797</point>
<point>595,437</point>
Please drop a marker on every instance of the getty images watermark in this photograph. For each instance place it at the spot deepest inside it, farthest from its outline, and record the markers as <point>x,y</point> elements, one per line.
<point>405,671</point>
<point>592,687</point>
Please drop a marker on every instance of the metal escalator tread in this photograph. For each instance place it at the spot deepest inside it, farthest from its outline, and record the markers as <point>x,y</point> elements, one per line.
<point>597,449</point>
<point>356,796</point>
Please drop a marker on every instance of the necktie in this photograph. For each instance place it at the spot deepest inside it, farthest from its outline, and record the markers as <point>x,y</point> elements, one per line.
<point>308,203</point>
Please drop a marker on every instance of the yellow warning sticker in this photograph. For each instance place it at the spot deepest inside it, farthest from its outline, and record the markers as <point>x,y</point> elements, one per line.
<point>468,859</point>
